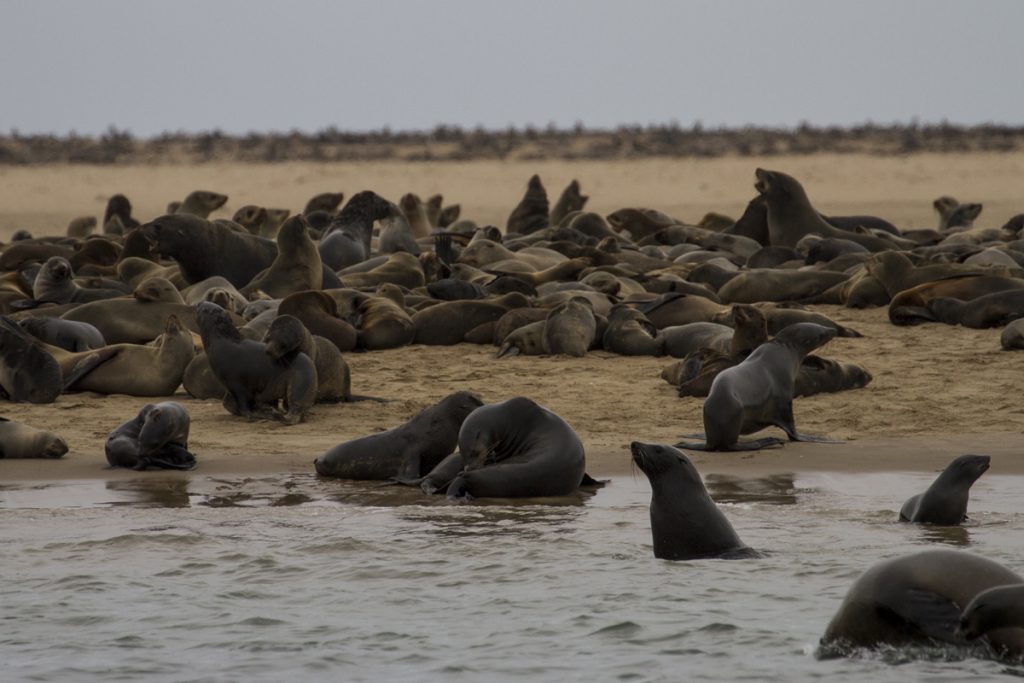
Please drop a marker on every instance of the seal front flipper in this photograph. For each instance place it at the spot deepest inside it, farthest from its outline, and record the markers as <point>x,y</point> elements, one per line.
<point>87,365</point>
<point>588,482</point>
<point>918,612</point>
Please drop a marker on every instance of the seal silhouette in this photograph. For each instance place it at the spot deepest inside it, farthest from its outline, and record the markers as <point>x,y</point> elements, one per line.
<point>685,522</point>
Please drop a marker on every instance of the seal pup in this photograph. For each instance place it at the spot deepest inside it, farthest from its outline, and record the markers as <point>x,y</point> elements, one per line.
<point>758,392</point>
<point>917,599</point>
<point>994,609</point>
<point>945,501</point>
<point>254,381</point>
<point>54,283</point>
<point>156,437</point>
<point>685,522</point>
<point>517,449</point>
<point>407,452</point>
<point>18,440</point>
<point>64,334</point>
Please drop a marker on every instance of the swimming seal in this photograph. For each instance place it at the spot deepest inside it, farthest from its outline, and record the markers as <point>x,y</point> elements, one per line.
<point>407,452</point>
<point>917,599</point>
<point>156,437</point>
<point>685,522</point>
<point>254,381</point>
<point>18,440</point>
<point>759,392</point>
<point>945,501</point>
<point>517,449</point>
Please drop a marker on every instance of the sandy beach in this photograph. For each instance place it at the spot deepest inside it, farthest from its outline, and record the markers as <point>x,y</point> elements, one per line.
<point>938,391</point>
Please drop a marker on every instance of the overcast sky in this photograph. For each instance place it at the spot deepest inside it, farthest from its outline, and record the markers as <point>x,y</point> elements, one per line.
<point>308,64</point>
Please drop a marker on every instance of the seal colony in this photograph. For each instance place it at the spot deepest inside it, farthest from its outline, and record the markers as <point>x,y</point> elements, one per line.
<point>258,312</point>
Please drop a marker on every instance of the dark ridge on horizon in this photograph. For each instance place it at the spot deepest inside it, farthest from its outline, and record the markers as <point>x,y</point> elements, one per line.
<point>454,143</point>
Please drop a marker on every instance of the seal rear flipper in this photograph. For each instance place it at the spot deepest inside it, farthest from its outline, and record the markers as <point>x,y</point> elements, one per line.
<point>919,613</point>
<point>755,445</point>
<point>24,304</point>
<point>87,365</point>
<point>355,398</point>
<point>910,315</point>
<point>169,457</point>
<point>588,482</point>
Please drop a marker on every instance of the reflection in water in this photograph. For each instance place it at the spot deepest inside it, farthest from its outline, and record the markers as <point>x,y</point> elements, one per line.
<point>151,492</point>
<point>774,489</point>
<point>950,535</point>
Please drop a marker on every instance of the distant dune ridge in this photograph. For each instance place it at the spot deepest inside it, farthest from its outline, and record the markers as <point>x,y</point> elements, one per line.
<point>452,143</point>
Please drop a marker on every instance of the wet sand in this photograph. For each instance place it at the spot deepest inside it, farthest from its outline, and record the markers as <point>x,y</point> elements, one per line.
<point>938,391</point>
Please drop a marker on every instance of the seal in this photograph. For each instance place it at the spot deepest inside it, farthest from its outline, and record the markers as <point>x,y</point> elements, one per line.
<point>447,323</point>
<point>1012,337</point>
<point>156,437</point>
<point>759,392</point>
<point>570,200</point>
<point>118,206</point>
<point>994,609</point>
<point>383,323</point>
<point>55,283</point>
<point>325,201</point>
<point>791,216</point>
<point>630,333</point>
<point>81,226</point>
<point>517,449</point>
<point>205,248</point>
<point>991,310</point>
<point>255,383</point>
<point>945,501</point>
<point>911,306</point>
<point>531,213</point>
<point>297,266</point>
<point>917,599</point>
<point>287,336</point>
<point>18,440</point>
<point>28,373</point>
<point>527,340</point>
<point>415,213</point>
<point>128,321</point>
<point>201,203</point>
<point>570,329</point>
<point>64,334</point>
<point>155,289</point>
<point>319,313</point>
<point>135,370</point>
<point>685,522</point>
<point>346,241</point>
<point>407,452</point>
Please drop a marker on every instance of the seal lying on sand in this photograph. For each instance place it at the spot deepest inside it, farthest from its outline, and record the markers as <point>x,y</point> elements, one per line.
<point>18,440</point>
<point>255,382</point>
<point>759,392</point>
<point>406,452</point>
<point>156,437</point>
<point>917,599</point>
<point>945,501</point>
<point>685,522</point>
<point>28,372</point>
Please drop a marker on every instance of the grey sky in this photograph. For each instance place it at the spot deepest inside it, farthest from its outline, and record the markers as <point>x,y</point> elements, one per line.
<point>308,64</point>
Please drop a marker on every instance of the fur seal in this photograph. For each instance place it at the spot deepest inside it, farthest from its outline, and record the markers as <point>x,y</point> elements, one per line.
<point>128,321</point>
<point>156,437</point>
<point>18,440</point>
<point>407,452</point>
<point>917,599</point>
<point>255,383</point>
<point>759,392</point>
<point>120,208</point>
<point>570,200</point>
<point>135,370</point>
<point>791,216</point>
<point>64,334</point>
<point>81,226</point>
<point>415,213</point>
<point>201,203</point>
<point>531,214</point>
<point>945,501</point>
<point>1013,336</point>
<point>685,522</point>
<point>27,371</point>
<point>383,323</point>
<point>570,328</point>
<point>205,248</point>
<point>527,340</point>
<point>990,310</point>
<point>319,313</point>
<point>630,333</point>
<point>287,336</point>
<point>994,609</point>
<point>346,241</point>
<point>54,283</point>
<point>325,201</point>
<point>155,289</point>
<point>517,449</point>
<point>911,306</point>
<point>448,322</point>
<point>297,266</point>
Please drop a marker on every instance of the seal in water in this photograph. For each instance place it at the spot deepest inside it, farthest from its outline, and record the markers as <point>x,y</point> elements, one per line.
<point>407,452</point>
<point>156,437</point>
<point>18,440</point>
<point>517,449</point>
<point>685,522</point>
<point>945,501</point>
<point>254,381</point>
<point>758,392</point>
<point>915,599</point>
<point>995,609</point>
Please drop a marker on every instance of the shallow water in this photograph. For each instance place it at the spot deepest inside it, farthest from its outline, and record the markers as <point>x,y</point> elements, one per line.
<point>171,579</point>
